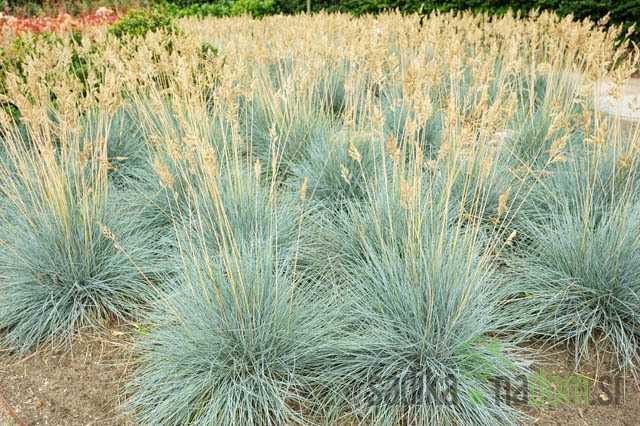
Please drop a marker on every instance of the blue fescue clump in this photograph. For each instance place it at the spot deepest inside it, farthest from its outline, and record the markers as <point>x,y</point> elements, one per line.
<point>423,287</point>
<point>70,261</point>
<point>577,283</point>
<point>235,341</point>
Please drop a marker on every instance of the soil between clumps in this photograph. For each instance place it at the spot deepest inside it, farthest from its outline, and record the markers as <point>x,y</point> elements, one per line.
<point>613,409</point>
<point>52,387</point>
<point>56,387</point>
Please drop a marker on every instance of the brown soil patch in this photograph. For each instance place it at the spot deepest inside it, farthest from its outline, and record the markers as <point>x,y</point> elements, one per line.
<point>53,387</point>
<point>613,401</point>
<point>56,387</point>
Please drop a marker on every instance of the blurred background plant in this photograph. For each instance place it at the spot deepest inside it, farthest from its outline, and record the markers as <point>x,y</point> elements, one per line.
<point>625,12</point>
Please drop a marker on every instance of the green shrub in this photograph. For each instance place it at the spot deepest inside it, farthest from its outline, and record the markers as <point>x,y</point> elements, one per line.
<point>624,12</point>
<point>256,8</point>
<point>201,10</point>
<point>13,56</point>
<point>139,22</point>
<point>73,7</point>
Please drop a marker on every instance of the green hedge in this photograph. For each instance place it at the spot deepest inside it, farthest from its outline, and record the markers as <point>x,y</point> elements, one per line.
<point>621,11</point>
<point>139,22</point>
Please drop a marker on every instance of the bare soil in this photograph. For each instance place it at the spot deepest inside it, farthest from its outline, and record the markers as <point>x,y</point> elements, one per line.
<point>57,387</point>
<point>54,387</point>
<point>613,400</point>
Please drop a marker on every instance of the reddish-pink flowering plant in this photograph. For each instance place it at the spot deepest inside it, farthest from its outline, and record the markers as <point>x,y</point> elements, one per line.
<point>21,25</point>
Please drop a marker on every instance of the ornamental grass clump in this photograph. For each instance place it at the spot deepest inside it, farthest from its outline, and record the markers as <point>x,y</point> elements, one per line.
<point>127,150</point>
<point>230,347</point>
<point>251,211</point>
<point>281,130</point>
<point>234,341</point>
<point>588,182</point>
<point>72,257</point>
<point>424,296</point>
<point>181,140</point>
<point>483,186</point>
<point>576,284</point>
<point>336,168</point>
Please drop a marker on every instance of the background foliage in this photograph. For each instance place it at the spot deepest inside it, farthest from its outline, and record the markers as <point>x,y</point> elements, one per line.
<point>624,12</point>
